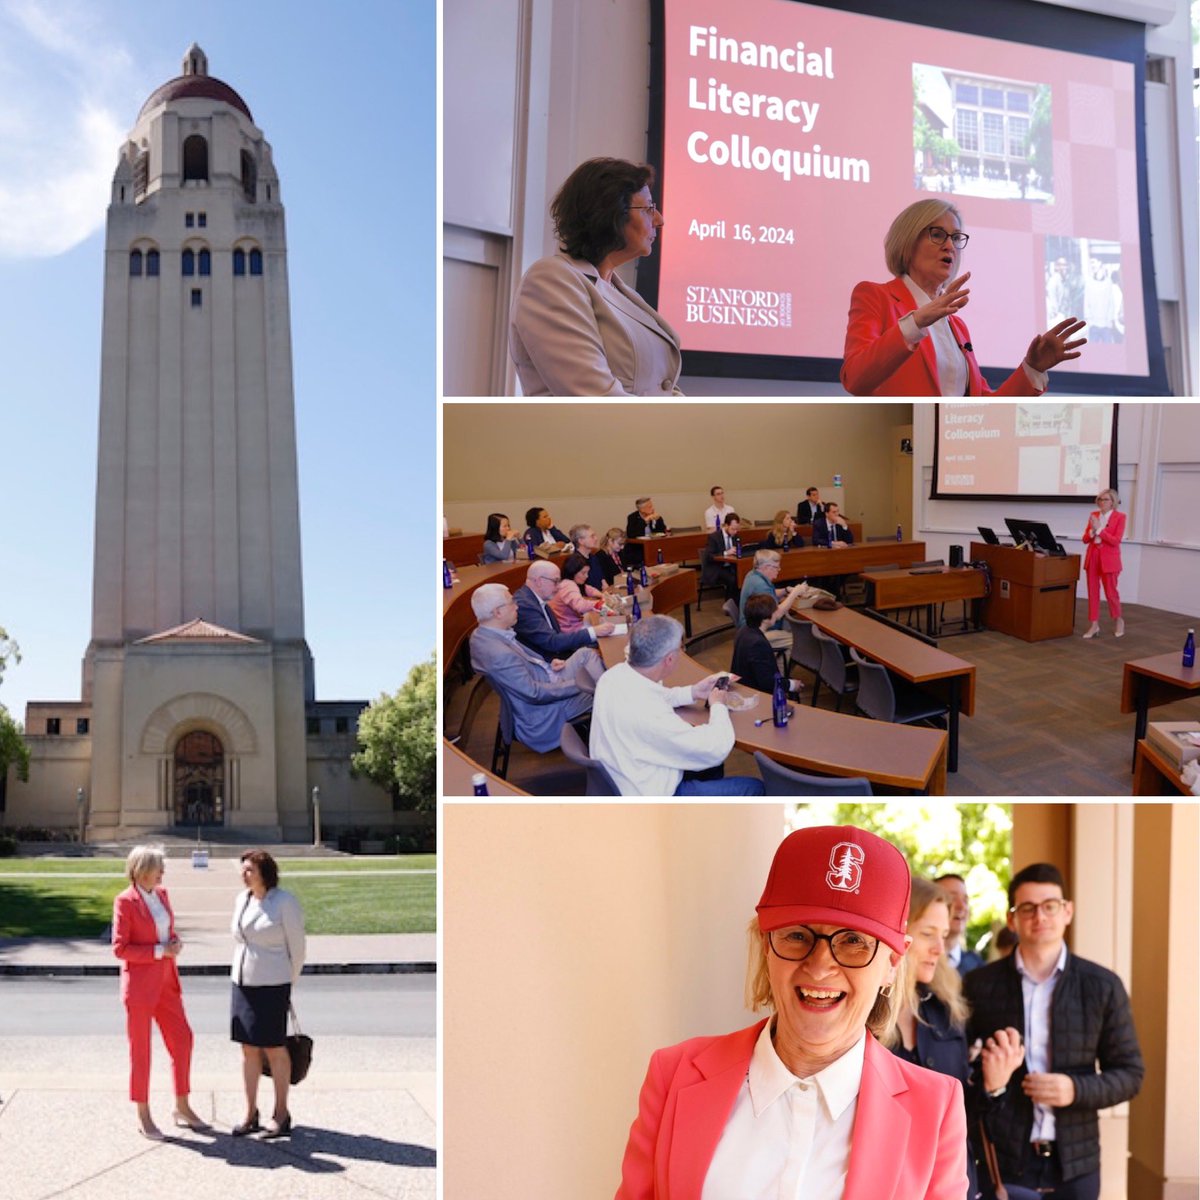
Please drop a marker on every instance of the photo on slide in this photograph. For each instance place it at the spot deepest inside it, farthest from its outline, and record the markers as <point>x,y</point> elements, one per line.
<point>975,135</point>
<point>1083,279</point>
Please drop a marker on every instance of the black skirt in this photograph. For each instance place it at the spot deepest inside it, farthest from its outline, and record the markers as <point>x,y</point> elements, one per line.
<point>259,1014</point>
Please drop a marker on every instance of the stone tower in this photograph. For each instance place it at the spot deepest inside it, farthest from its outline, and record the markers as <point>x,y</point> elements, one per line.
<point>197,671</point>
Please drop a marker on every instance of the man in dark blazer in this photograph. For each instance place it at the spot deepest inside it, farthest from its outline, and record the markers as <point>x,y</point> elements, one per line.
<point>959,903</point>
<point>1081,1049</point>
<point>810,508</point>
<point>538,627</point>
<point>642,522</point>
<point>831,528</point>
<point>725,574</point>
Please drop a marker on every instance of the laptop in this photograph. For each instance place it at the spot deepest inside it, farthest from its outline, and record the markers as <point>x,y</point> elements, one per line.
<point>988,535</point>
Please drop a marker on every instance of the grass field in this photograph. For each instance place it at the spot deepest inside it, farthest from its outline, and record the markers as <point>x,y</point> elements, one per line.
<point>38,898</point>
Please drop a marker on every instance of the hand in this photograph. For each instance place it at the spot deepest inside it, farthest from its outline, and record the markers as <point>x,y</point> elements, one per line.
<point>839,545</point>
<point>702,689</point>
<point>953,297</point>
<point>604,629</point>
<point>172,948</point>
<point>1002,1054</point>
<point>1055,1091</point>
<point>1052,347</point>
<point>557,664</point>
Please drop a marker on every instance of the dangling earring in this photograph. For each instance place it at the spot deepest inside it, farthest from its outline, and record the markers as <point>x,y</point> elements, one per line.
<point>886,991</point>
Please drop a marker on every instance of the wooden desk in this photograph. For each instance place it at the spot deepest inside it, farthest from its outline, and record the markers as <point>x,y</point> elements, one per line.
<point>818,561</point>
<point>902,589</point>
<point>678,547</point>
<point>463,549</point>
<point>815,739</point>
<point>951,679</point>
<point>1149,682</point>
<point>1154,774</point>
<point>457,770</point>
<point>1033,595</point>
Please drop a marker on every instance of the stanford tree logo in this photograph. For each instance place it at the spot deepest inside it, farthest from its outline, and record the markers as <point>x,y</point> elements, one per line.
<point>845,867</point>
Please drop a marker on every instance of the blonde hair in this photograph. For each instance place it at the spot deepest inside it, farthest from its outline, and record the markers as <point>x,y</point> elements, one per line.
<point>778,530</point>
<point>143,859</point>
<point>946,984</point>
<point>883,1012</point>
<point>607,539</point>
<point>907,228</point>
<point>1116,496</point>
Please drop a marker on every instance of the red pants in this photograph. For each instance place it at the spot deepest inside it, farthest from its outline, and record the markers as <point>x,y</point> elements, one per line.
<point>1095,577</point>
<point>176,1032</point>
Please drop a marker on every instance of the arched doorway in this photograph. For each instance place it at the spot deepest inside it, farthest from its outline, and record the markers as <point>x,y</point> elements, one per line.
<point>199,785</point>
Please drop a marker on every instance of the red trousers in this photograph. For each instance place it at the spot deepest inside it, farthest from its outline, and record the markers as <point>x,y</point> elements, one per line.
<point>176,1032</point>
<point>1096,577</point>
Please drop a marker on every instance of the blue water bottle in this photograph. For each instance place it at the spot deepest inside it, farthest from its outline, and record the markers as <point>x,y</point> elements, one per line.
<point>645,577</point>
<point>660,556</point>
<point>737,547</point>
<point>635,614</point>
<point>779,702</point>
<point>479,783</point>
<point>899,534</point>
<point>630,581</point>
<point>529,548</point>
<point>717,522</point>
<point>447,574</point>
<point>1189,649</point>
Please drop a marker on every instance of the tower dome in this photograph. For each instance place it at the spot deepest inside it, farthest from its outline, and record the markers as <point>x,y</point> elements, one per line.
<point>195,82</point>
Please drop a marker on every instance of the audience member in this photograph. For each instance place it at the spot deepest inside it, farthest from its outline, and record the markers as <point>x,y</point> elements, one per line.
<point>831,529</point>
<point>754,660</point>
<point>644,521</point>
<point>961,957</point>
<point>783,535</point>
<point>538,627</point>
<point>543,696</point>
<point>810,508</point>
<point>500,543</point>
<point>648,749</point>
<point>543,532</point>
<point>761,581</point>
<point>587,542</point>
<point>1081,1049</point>
<point>717,511</point>
<point>720,542</point>
<point>574,597</point>
<point>611,545</point>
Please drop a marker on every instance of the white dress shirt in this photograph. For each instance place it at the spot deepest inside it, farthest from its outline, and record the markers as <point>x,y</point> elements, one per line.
<point>162,919</point>
<point>1038,998</point>
<point>712,512</point>
<point>953,373</point>
<point>646,747</point>
<point>788,1138</point>
<point>270,939</point>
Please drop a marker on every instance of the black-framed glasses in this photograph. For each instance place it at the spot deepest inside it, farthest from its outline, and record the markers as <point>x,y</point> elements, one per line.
<point>938,236</point>
<point>1048,908</point>
<point>849,947</point>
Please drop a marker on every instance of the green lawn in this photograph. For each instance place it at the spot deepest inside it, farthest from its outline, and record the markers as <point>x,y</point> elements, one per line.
<point>373,904</point>
<point>287,866</point>
<point>73,908</point>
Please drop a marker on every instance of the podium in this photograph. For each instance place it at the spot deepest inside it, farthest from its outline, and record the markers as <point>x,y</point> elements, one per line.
<point>1033,595</point>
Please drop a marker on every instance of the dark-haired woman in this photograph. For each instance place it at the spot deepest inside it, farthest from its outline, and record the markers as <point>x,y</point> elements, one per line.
<point>268,956</point>
<point>753,659</point>
<point>574,597</point>
<point>576,329</point>
<point>500,543</point>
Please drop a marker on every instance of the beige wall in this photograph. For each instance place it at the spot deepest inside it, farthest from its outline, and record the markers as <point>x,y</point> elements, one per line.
<point>589,462</point>
<point>578,939</point>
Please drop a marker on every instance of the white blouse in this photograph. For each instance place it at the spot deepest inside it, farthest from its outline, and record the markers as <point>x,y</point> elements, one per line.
<point>162,919</point>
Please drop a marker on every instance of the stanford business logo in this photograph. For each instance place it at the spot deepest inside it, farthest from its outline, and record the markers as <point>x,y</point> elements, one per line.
<point>751,307</point>
<point>845,867</point>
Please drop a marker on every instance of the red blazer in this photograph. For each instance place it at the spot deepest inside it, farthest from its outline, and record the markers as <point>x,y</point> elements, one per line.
<point>910,1132</point>
<point>134,937</point>
<point>1108,545</point>
<point>878,361</point>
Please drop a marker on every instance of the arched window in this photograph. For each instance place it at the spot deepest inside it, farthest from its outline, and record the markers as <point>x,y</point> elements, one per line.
<point>239,262</point>
<point>135,262</point>
<point>205,262</point>
<point>189,262</point>
<point>255,262</point>
<point>249,177</point>
<point>151,262</point>
<point>195,158</point>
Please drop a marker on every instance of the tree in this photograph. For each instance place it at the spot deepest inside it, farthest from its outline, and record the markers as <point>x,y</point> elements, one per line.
<point>8,650</point>
<point>12,743</point>
<point>398,739</point>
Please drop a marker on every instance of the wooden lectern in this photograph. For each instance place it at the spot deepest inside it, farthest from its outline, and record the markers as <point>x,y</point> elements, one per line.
<point>1033,595</point>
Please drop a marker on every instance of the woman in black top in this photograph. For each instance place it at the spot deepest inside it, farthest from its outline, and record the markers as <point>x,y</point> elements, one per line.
<point>753,659</point>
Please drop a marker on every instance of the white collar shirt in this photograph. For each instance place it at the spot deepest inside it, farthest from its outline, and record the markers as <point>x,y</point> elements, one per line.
<point>788,1138</point>
<point>1037,999</point>
<point>1103,520</point>
<point>643,742</point>
<point>712,514</point>
<point>162,918</point>
<point>954,954</point>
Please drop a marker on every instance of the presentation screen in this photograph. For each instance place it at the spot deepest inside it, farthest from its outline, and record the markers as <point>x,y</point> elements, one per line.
<point>1023,451</point>
<point>789,135</point>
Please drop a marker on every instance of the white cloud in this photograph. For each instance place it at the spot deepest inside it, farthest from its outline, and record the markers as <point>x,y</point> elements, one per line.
<point>64,99</point>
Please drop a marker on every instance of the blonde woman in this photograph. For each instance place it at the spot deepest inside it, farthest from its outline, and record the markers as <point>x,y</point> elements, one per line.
<point>1102,564</point>
<point>144,940</point>
<point>783,535</point>
<point>929,1025</point>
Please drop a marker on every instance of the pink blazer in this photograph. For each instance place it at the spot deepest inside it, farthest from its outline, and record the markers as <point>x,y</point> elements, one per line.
<point>1108,545</point>
<point>878,361</point>
<point>134,937</point>
<point>910,1132</point>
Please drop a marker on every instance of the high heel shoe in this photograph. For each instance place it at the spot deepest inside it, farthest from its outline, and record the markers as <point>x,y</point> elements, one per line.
<point>1120,630</point>
<point>153,1134</point>
<point>278,1129</point>
<point>1093,631</point>
<point>250,1126</point>
<point>195,1124</point>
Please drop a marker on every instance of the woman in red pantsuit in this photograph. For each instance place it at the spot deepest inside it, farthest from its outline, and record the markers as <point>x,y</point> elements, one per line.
<point>1102,537</point>
<point>145,942</point>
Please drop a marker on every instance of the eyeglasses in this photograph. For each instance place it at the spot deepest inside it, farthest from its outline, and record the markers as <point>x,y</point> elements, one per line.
<point>1048,908</point>
<point>938,236</point>
<point>848,947</point>
<point>651,207</point>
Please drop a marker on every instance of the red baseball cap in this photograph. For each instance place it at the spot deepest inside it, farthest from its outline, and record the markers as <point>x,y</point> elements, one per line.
<point>838,875</point>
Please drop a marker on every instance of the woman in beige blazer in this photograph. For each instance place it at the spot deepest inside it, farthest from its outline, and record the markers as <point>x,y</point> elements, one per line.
<point>576,329</point>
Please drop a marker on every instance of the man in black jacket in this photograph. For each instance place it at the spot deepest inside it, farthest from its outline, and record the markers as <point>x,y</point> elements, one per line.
<point>1081,1050</point>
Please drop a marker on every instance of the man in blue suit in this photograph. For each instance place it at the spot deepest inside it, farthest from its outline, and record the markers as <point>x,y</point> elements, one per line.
<point>538,627</point>
<point>961,958</point>
<point>543,696</point>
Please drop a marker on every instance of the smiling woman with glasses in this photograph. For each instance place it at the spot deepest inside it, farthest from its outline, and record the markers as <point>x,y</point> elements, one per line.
<point>906,337</point>
<point>576,328</point>
<point>807,1102</point>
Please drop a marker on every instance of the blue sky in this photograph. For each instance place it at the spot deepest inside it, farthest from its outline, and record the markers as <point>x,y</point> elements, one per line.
<point>345,94</point>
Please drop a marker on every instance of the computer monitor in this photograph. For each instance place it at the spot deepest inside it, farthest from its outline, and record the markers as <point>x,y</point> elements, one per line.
<point>1035,532</point>
<point>988,535</point>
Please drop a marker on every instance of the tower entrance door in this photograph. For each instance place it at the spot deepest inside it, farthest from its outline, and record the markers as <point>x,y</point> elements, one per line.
<point>199,785</point>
